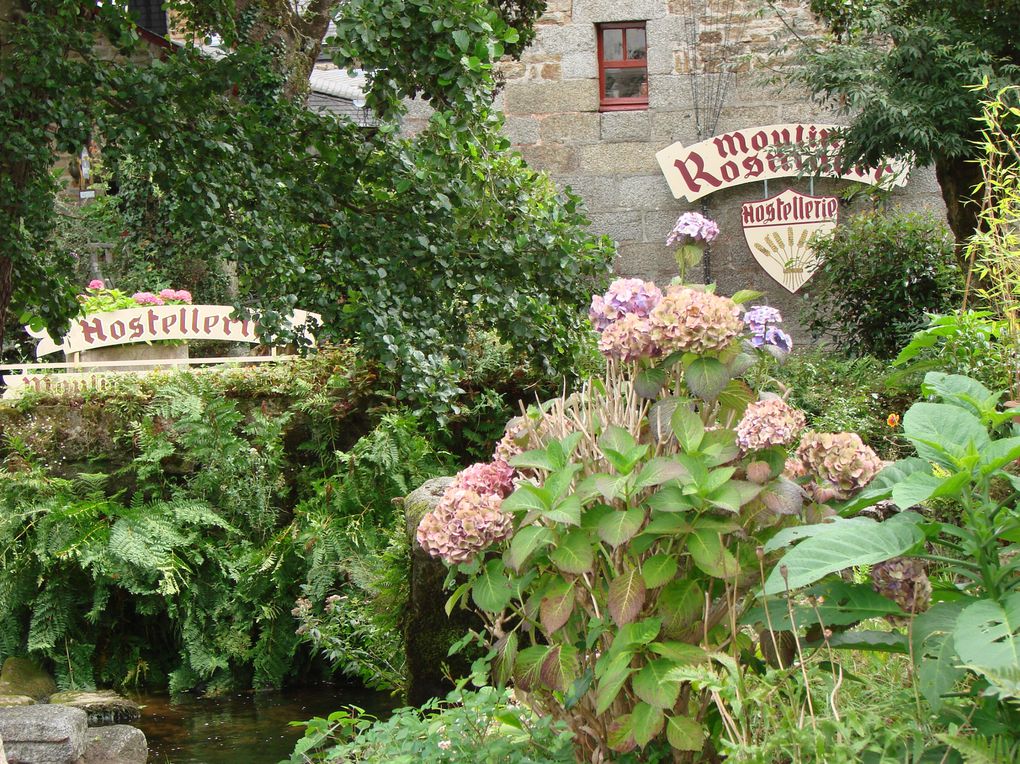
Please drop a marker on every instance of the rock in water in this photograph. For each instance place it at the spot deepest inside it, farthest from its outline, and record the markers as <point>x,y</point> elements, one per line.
<point>6,701</point>
<point>20,676</point>
<point>102,706</point>
<point>43,734</point>
<point>118,744</point>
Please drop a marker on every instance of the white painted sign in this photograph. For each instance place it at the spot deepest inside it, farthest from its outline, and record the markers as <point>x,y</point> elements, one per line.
<point>158,323</point>
<point>763,153</point>
<point>779,229</point>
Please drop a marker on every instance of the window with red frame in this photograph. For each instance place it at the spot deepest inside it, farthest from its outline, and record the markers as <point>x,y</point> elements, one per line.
<point>623,68</point>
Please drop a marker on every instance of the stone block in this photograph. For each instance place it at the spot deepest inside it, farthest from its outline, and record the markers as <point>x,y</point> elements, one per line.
<point>667,92</point>
<point>634,158</point>
<point>600,11</point>
<point>43,734</point>
<point>552,97</point>
<point>619,226</point>
<point>658,223</point>
<point>600,194</point>
<point>669,127</point>
<point>647,192</point>
<point>521,130</point>
<point>646,260</point>
<point>104,707</point>
<point>428,631</point>
<point>556,40</point>
<point>118,744</point>
<point>620,126</point>
<point>21,676</point>
<point>554,158</point>
<point>573,129</point>
<point>582,65</point>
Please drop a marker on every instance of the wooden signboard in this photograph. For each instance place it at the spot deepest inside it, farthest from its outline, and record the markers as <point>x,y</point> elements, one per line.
<point>159,323</point>
<point>762,153</point>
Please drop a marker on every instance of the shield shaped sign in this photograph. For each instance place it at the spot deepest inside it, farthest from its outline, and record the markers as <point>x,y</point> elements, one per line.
<point>778,231</point>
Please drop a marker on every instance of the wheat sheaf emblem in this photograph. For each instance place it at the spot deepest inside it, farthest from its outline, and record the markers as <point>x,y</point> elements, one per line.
<point>791,253</point>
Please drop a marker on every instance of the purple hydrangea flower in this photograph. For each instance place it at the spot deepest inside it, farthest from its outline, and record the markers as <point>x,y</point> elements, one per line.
<point>692,226</point>
<point>762,320</point>
<point>625,297</point>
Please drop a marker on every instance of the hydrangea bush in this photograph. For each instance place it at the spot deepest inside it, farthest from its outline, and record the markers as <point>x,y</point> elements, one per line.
<point>631,543</point>
<point>690,233</point>
<point>99,299</point>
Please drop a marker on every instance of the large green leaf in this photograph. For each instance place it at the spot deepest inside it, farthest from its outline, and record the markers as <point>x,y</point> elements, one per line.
<point>527,498</point>
<point>626,596</point>
<point>560,667</point>
<point>685,734</point>
<point>837,603</point>
<point>920,487</point>
<point>574,553</point>
<point>525,541</point>
<point>974,396</point>
<point>646,723</point>
<point>710,555</point>
<point>843,544</point>
<point>658,570</point>
<point>557,605</point>
<point>491,590</point>
<point>528,667</point>
<point>881,486</point>
<point>679,605</point>
<point>987,633</point>
<point>612,681</point>
<point>653,686</point>
<point>658,471</point>
<point>670,498</point>
<point>943,433</point>
<point>931,638</point>
<point>706,378</point>
<point>567,511</point>
<point>634,635</point>
<point>621,526</point>
<point>688,428</point>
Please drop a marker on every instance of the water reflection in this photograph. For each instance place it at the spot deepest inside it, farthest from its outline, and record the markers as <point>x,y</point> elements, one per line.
<point>252,728</point>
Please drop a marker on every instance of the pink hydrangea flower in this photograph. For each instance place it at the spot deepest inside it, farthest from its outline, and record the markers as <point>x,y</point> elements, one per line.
<point>695,322</point>
<point>97,284</point>
<point>463,524</point>
<point>487,477</point>
<point>628,339</point>
<point>182,295</point>
<point>147,298</point>
<point>841,461</point>
<point>168,294</point>
<point>770,423</point>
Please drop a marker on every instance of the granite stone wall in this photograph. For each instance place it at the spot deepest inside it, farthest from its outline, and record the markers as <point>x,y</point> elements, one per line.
<point>551,103</point>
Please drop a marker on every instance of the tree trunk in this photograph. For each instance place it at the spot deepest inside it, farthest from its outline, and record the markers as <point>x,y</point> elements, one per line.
<point>957,179</point>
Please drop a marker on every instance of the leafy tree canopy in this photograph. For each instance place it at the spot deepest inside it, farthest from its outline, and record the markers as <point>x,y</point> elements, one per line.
<point>402,242</point>
<point>903,71</point>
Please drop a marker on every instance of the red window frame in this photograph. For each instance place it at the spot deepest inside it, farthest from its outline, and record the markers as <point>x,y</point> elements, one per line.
<point>632,102</point>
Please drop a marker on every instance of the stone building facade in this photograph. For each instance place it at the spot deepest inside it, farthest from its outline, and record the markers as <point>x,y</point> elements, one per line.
<point>556,118</point>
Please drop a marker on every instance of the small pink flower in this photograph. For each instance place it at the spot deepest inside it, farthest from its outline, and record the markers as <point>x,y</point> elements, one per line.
<point>97,284</point>
<point>168,294</point>
<point>182,295</point>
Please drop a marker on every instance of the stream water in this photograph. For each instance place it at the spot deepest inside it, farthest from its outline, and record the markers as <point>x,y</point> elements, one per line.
<point>241,729</point>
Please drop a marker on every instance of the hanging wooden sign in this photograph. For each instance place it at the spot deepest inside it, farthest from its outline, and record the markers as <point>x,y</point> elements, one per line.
<point>764,153</point>
<point>162,322</point>
<point>779,229</point>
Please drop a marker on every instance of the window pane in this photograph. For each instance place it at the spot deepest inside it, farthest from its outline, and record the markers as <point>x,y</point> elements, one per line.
<point>612,44</point>
<point>636,46</point>
<point>626,83</point>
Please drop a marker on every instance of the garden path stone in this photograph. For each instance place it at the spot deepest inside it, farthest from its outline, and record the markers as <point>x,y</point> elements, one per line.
<point>117,744</point>
<point>43,734</point>
<point>21,676</point>
<point>102,706</point>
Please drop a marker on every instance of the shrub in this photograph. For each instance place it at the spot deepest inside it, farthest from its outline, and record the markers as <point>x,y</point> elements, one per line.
<point>641,503</point>
<point>878,275</point>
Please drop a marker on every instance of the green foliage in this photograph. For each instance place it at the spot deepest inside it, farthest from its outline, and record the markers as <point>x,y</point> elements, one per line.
<point>967,453</point>
<point>400,242</point>
<point>633,553</point>
<point>878,274</point>
<point>483,726</point>
<point>180,567</point>
<point>969,342</point>
<point>901,71</point>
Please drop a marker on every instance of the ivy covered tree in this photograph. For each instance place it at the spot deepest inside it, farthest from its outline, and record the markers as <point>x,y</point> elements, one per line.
<point>904,71</point>
<point>401,242</point>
